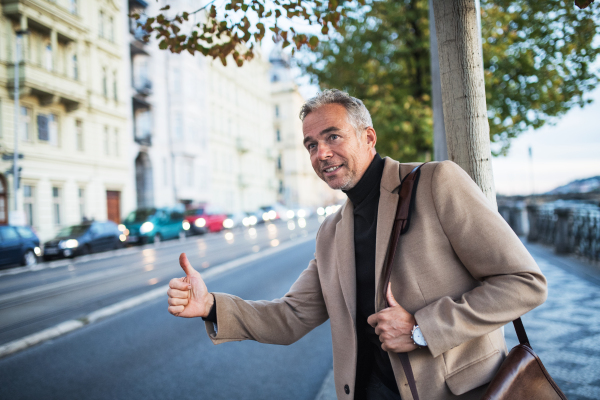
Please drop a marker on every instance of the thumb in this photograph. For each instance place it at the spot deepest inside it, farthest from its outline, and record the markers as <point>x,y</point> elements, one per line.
<point>186,266</point>
<point>390,296</point>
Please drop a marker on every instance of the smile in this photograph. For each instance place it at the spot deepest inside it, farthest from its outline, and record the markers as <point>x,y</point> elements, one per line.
<point>331,169</point>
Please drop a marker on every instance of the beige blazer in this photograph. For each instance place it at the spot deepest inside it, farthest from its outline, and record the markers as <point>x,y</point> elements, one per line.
<point>460,270</point>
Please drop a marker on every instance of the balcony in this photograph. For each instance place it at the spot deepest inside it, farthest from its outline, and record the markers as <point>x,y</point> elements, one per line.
<point>49,87</point>
<point>242,145</point>
<point>45,13</point>
<point>143,86</point>
<point>243,181</point>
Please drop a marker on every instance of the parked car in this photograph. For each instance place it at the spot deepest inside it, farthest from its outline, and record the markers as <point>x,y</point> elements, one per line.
<point>152,225</point>
<point>205,219</point>
<point>18,245</point>
<point>86,238</point>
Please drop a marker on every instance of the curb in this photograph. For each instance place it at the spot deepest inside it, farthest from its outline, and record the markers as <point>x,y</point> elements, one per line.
<point>74,324</point>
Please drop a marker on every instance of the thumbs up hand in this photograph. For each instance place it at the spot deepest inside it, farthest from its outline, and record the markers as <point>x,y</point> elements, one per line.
<point>394,326</point>
<point>188,296</point>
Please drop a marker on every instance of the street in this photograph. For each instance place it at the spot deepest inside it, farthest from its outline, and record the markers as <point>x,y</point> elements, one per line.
<point>145,353</point>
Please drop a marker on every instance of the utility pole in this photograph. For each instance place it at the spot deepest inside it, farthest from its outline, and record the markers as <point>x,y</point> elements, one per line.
<point>19,37</point>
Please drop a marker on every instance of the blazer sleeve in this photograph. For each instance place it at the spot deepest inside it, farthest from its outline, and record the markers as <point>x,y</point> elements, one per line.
<point>511,282</point>
<point>280,321</point>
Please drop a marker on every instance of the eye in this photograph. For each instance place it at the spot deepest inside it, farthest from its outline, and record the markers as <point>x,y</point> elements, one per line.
<point>334,136</point>
<point>310,146</point>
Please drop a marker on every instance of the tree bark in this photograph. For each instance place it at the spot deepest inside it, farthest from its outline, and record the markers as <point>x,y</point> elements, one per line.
<point>463,91</point>
<point>440,148</point>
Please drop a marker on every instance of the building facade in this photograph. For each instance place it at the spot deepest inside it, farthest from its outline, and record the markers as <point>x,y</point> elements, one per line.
<point>72,112</point>
<point>298,185</point>
<point>203,132</point>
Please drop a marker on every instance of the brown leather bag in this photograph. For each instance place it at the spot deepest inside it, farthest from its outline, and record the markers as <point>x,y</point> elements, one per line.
<point>522,375</point>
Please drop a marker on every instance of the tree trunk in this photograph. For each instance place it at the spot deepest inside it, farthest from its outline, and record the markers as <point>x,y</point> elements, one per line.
<point>463,91</point>
<point>440,148</point>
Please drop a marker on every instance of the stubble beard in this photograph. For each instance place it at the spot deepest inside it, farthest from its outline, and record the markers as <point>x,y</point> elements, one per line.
<point>345,184</point>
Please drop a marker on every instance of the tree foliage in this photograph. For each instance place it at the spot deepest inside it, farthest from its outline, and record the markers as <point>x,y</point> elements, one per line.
<point>538,60</point>
<point>227,30</point>
<point>382,57</point>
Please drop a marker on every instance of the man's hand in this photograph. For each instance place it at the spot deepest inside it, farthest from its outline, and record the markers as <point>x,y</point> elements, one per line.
<point>189,297</point>
<point>394,326</point>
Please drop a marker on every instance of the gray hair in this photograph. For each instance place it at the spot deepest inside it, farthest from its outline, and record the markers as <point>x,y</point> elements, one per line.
<point>358,115</point>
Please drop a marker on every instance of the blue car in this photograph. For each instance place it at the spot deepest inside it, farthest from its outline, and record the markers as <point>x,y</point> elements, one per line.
<point>153,225</point>
<point>18,245</point>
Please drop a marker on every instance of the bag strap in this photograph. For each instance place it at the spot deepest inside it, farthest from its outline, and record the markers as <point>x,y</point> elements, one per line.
<point>408,188</point>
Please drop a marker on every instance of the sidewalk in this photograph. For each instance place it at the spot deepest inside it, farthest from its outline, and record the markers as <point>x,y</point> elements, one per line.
<point>564,331</point>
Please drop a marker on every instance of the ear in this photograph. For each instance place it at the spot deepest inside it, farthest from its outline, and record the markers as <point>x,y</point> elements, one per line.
<point>370,137</point>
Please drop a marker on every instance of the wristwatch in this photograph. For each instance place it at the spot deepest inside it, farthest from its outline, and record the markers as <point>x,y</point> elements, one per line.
<point>417,336</point>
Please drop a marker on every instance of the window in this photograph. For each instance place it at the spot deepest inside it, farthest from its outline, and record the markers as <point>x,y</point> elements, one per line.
<point>81,203</point>
<point>106,142</point>
<point>73,7</point>
<point>101,24</point>
<point>75,67</point>
<point>25,128</point>
<point>178,126</point>
<point>48,128</point>
<point>79,134</point>
<point>48,58</point>
<point>278,135</point>
<point>104,83</point>
<point>279,163</point>
<point>277,110</point>
<point>28,201</point>
<point>111,27</point>
<point>115,86</point>
<point>53,129</point>
<point>56,206</point>
<point>116,142</point>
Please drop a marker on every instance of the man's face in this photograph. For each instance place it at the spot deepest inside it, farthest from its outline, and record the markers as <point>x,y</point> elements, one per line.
<point>336,154</point>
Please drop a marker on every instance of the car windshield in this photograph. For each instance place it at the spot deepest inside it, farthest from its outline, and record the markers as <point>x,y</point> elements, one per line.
<point>140,215</point>
<point>197,211</point>
<point>74,230</point>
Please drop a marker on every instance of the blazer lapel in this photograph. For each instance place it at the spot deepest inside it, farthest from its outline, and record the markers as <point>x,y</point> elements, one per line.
<point>344,244</point>
<point>388,201</point>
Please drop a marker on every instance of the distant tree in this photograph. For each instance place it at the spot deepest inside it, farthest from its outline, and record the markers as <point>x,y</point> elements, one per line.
<point>381,56</point>
<point>538,59</point>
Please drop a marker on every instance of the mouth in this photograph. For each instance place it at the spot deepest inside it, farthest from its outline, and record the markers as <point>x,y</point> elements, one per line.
<point>331,170</point>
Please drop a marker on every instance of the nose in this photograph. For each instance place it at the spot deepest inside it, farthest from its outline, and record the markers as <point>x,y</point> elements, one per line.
<point>323,151</point>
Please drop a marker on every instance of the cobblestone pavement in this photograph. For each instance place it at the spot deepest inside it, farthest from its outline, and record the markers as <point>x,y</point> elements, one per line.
<point>564,331</point>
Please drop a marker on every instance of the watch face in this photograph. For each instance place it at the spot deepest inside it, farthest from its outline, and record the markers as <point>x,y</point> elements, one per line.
<point>418,337</point>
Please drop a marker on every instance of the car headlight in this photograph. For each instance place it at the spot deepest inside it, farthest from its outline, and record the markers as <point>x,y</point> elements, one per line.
<point>37,251</point>
<point>272,214</point>
<point>122,227</point>
<point>290,214</point>
<point>252,220</point>
<point>146,227</point>
<point>228,223</point>
<point>265,216</point>
<point>246,221</point>
<point>122,238</point>
<point>301,213</point>
<point>185,225</point>
<point>200,223</point>
<point>68,244</point>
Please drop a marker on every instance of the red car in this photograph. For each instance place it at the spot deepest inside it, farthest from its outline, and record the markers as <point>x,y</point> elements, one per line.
<point>204,219</point>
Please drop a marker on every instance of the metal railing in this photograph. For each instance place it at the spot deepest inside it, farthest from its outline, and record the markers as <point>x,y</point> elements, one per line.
<point>568,226</point>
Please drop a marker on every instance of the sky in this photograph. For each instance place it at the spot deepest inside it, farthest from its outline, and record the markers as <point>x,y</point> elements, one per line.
<point>563,152</point>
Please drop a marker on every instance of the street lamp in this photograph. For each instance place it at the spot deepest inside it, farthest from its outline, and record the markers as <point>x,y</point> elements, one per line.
<point>19,34</point>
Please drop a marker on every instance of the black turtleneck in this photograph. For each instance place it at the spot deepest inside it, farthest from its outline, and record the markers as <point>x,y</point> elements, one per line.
<point>371,358</point>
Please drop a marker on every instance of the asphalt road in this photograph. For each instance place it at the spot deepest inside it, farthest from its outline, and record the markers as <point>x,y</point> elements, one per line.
<point>33,300</point>
<point>145,353</point>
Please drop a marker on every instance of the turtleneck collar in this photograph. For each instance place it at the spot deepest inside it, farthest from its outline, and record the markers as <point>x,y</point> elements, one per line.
<point>369,182</point>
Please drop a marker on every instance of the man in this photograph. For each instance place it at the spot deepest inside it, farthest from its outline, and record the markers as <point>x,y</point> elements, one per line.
<point>460,274</point>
